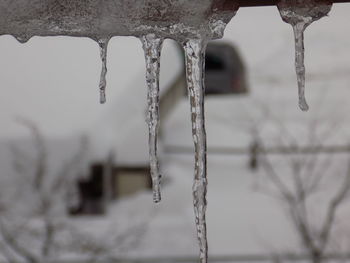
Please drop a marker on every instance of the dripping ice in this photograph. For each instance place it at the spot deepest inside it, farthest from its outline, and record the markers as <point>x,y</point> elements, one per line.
<point>103,44</point>
<point>152,46</point>
<point>300,16</point>
<point>195,61</point>
<point>300,64</point>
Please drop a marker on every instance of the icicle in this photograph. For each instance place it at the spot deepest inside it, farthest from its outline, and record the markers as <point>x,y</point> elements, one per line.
<point>103,43</point>
<point>300,15</point>
<point>152,46</point>
<point>299,63</point>
<point>195,61</point>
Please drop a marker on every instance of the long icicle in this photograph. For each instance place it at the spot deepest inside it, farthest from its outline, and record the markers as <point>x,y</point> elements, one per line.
<point>152,46</point>
<point>300,64</point>
<point>103,44</point>
<point>195,63</point>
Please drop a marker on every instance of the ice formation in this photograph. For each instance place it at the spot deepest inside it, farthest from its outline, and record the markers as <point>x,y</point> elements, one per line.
<point>103,43</point>
<point>195,62</point>
<point>192,23</point>
<point>300,14</point>
<point>152,46</point>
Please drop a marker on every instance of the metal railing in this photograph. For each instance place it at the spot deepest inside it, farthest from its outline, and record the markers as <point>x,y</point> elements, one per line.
<point>247,3</point>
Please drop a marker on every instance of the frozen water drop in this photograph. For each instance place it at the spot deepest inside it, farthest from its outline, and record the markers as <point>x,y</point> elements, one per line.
<point>300,15</point>
<point>195,62</point>
<point>22,38</point>
<point>152,46</point>
<point>303,104</point>
<point>103,44</point>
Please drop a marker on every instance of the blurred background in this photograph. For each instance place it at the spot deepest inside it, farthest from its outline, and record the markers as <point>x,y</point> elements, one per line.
<point>74,174</point>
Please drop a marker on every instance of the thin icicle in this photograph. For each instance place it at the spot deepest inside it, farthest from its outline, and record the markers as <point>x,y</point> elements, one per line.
<point>152,46</point>
<point>300,15</point>
<point>299,63</point>
<point>103,43</point>
<point>195,62</point>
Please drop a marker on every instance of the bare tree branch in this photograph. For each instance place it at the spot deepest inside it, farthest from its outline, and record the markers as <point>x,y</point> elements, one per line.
<point>307,173</point>
<point>62,176</point>
<point>12,242</point>
<point>332,209</point>
<point>7,253</point>
<point>41,160</point>
<point>44,221</point>
<point>275,179</point>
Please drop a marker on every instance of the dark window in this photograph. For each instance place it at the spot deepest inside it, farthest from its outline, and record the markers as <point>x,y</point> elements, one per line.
<point>224,70</point>
<point>213,62</point>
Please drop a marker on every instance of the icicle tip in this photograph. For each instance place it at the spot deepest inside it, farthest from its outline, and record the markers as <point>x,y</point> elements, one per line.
<point>303,105</point>
<point>102,98</point>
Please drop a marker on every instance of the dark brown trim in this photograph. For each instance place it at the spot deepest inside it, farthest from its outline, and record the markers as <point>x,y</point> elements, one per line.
<point>248,3</point>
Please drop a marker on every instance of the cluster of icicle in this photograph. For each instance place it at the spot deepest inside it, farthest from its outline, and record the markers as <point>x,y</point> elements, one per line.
<point>300,14</point>
<point>296,13</point>
<point>195,62</point>
<point>195,58</point>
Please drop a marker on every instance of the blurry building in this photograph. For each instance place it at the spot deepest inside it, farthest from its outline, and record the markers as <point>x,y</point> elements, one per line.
<point>106,183</point>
